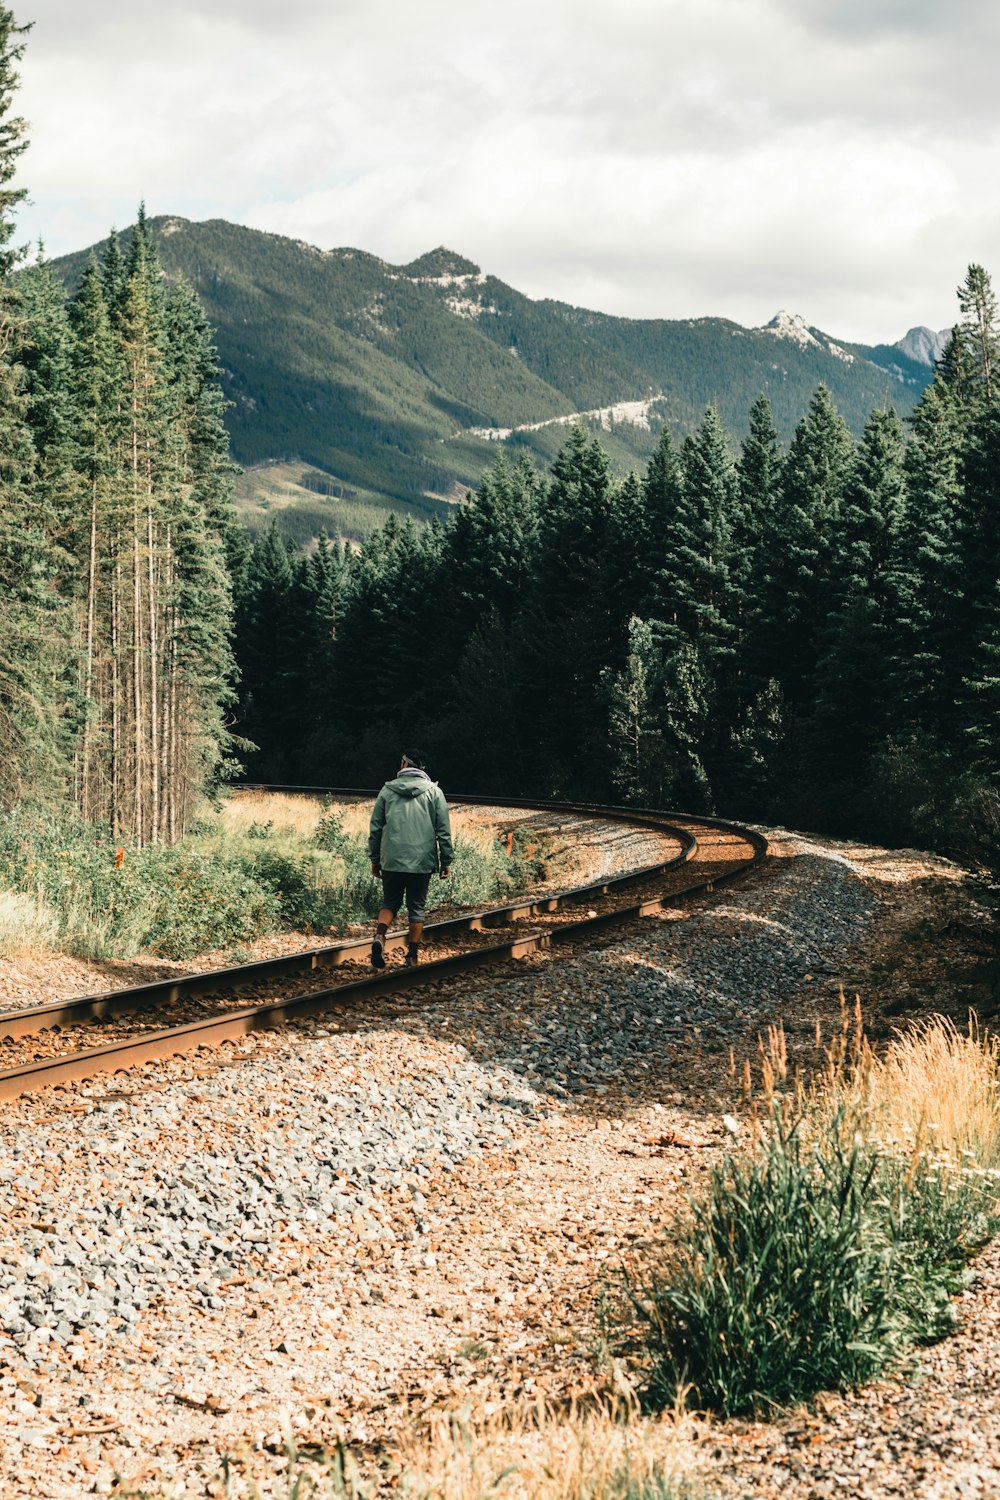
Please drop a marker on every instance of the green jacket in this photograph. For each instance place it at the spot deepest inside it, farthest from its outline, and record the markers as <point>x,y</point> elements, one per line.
<point>410,828</point>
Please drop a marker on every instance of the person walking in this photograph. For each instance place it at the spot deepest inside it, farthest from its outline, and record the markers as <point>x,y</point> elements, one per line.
<point>409,838</point>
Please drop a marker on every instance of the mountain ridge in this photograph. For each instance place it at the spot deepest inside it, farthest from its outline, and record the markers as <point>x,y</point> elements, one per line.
<point>392,385</point>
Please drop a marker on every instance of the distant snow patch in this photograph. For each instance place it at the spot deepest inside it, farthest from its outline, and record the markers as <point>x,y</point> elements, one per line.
<point>469,307</point>
<point>468,278</point>
<point>634,412</point>
<point>374,312</point>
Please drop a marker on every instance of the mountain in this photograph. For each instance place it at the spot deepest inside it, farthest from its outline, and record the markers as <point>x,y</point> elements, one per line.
<point>923,345</point>
<point>359,387</point>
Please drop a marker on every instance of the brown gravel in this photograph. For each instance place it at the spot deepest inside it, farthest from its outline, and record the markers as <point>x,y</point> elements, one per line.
<point>491,1289</point>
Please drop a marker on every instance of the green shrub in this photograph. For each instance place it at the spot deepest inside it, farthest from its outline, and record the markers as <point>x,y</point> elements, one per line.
<point>812,1260</point>
<point>66,883</point>
<point>330,834</point>
<point>176,902</point>
<point>917,793</point>
<point>308,888</point>
<point>783,1281</point>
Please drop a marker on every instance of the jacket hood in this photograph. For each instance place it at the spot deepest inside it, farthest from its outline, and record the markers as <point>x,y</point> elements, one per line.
<point>409,785</point>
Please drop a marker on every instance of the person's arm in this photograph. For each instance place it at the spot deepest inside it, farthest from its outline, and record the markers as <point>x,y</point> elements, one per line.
<point>375,834</point>
<point>442,832</point>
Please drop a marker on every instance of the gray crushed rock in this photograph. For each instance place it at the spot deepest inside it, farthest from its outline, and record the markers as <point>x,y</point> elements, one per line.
<point>144,1231</point>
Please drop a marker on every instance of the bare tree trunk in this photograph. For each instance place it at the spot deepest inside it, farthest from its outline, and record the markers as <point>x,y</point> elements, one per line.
<point>166,749</point>
<point>116,696</point>
<point>86,798</point>
<point>137,727</point>
<point>175,769</point>
<point>154,704</point>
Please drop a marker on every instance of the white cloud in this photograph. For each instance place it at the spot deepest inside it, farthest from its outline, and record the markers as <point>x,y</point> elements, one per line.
<point>655,157</point>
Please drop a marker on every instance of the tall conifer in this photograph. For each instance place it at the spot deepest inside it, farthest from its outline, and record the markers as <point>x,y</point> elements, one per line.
<point>32,661</point>
<point>96,377</point>
<point>796,593</point>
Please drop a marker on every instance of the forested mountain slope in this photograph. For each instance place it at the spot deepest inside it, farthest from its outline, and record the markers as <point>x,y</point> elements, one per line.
<point>375,387</point>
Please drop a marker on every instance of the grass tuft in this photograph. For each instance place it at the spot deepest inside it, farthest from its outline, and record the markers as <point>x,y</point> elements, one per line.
<point>597,1453</point>
<point>832,1243</point>
<point>26,923</point>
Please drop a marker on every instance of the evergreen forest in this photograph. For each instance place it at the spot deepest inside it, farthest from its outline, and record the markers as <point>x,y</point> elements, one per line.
<point>804,629</point>
<point>807,633</point>
<point>117,540</point>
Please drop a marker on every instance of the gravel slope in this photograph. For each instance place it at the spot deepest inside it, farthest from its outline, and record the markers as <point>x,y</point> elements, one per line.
<point>341,1227</point>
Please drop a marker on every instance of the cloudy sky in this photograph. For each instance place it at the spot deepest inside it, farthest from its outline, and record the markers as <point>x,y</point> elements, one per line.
<point>668,158</point>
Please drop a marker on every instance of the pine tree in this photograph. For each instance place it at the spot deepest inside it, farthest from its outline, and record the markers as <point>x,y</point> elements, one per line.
<point>926,655</point>
<point>976,613</point>
<point>685,721</point>
<point>575,621</point>
<point>641,771</point>
<point>954,372</point>
<point>148,522</point>
<point>114,276</point>
<point>758,475</point>
<point>756,539</point>
<point>268,646</point>
<point>981,693</point>
<point>32,667</point>
<point>96,376</point>
<point>796,587</point>
<point>692,589</point>
<point>487,553</point>
<point>488,740</point>
<point>853,706</point>
<point>486,560</point>
<point>869,520</point>
<point>327,577</point>
<point>661,495</point>
<point>46,356</point>
<point>981,329</point>
<point>150,462</point>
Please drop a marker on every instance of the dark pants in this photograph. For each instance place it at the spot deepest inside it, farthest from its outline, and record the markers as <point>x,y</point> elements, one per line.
<point>396,884</point>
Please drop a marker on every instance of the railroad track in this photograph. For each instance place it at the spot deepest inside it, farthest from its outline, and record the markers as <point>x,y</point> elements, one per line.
<point>201,1006</point>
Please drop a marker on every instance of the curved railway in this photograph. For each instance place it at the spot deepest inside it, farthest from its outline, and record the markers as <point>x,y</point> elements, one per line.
<point>31,1038</point>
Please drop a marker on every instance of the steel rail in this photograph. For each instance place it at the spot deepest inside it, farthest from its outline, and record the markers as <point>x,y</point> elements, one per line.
<point>59,1014</point>
<point>228,1026</point>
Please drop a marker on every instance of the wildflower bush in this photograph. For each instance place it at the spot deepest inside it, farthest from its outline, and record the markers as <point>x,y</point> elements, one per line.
<point>833,1242</point>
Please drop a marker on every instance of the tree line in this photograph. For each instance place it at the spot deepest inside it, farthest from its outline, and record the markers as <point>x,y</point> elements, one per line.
<point>116,537</point>
<point>810,633</point>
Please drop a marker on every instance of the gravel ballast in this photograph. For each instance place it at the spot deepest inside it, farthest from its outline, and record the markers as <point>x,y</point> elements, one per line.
<point>310,1226</point>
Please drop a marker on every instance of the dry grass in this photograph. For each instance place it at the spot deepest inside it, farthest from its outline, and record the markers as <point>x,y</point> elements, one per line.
<point>294,815</point>
<point>935,1084</point>
<point>934,1088</point>
<point>535,1454</point>
<point>300,815</point>
<point>27,926</point>
<point>525,1453</point>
